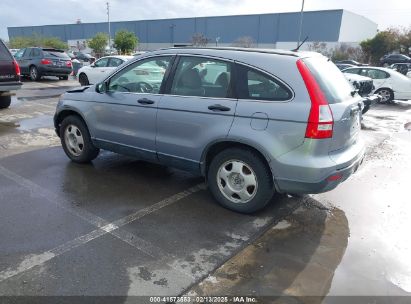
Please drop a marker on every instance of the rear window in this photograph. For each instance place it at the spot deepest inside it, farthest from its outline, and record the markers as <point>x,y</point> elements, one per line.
<point>55,54</point>
<point>332,82</point>
<point>4,52</point>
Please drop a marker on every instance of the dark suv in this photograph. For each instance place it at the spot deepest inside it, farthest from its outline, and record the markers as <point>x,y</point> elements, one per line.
<point>37,62</point>
<point>394,58</point>
<point>9,76</point>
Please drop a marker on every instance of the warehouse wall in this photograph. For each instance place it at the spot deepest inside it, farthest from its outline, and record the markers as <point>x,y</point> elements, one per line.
<point>264,29</point>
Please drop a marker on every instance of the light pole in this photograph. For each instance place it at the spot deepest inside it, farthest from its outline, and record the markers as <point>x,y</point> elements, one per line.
<point>109,31</point>
<point>301,24</point>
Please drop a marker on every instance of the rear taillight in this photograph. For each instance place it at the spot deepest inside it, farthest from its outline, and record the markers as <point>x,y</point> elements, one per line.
<point>16,67</point>
<point>320,121</point>
<point>46,61</point>
<point>68,64</point>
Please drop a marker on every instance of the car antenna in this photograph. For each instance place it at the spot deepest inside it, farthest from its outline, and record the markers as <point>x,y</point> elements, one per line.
<point>298,47</point>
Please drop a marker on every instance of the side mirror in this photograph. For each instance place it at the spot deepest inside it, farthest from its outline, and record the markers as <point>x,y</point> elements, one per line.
<point>102,87</point>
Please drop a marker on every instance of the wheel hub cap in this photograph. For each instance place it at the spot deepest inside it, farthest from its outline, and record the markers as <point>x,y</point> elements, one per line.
<point>237,181</point>
<point>74,140</point>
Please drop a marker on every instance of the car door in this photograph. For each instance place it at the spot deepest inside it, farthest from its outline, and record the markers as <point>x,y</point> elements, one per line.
<point>97,71</point>
<point>379,77</point>
<point>124,115</point>
<point>197,109</point>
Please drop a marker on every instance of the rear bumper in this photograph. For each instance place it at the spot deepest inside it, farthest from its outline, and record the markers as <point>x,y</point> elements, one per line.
<point>50,71</point>
<point>10,86</point>
<point>402,95</point>
<point>322,174</point>
<point>329,183</point>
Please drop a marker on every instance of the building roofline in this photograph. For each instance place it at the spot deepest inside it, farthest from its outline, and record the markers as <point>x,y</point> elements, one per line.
<point>183,18</point>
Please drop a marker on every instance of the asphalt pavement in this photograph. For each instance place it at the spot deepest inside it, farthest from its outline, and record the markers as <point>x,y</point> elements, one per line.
<point>122,227</point>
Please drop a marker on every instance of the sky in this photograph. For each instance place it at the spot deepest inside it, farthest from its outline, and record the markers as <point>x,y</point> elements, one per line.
<point>41,12</point>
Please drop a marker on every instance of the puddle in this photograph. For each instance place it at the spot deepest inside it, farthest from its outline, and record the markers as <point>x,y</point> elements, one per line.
<point>35,123</point>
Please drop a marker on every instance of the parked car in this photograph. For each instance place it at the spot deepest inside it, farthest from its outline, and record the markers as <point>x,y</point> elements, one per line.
<point>352,62</point>
<point>36,62</point>
<point>97,71</point>
<point>403,68</point>
<point>9,76</point>
<point>270,121</point>
<point>387,60</point>
<point>343,66</point>
<point>388,83</point>
<point>84,57</point>
<point>364,86</point>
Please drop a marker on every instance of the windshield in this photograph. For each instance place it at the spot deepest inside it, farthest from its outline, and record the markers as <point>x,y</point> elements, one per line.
<point>332,82</point>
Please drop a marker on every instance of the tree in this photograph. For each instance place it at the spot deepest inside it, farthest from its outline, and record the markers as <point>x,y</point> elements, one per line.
<point>98,43</point>
<point>344,51</point>
<point>37,40</point>
<point>199,40</point>
<point>319,47</point>
<point>125,41</point>
<point>384,42</point>
<point>54,42</point>
<point>244,41</point>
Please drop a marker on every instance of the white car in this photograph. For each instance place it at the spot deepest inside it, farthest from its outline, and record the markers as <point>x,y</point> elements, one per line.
<point>97,71</point>
<point>389,84</point>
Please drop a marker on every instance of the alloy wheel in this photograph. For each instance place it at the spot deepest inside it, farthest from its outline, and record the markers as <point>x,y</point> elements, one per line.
<point>237,181</point>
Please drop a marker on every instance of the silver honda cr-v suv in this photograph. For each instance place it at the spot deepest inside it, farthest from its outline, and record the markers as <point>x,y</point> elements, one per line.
<point>251,121</point>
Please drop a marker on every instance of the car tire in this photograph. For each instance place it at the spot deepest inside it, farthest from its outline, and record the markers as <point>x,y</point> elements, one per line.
<point>34,73</point>
<point>82,78</point>
<point>387,95</point>
<point>227,179</point>
<point>76,141</point>
<point>5,101</point>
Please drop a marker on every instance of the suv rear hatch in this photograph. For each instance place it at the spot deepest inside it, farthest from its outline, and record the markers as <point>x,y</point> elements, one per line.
<point>343,112</point>
<point>9,69</point>
<point>56,58</point>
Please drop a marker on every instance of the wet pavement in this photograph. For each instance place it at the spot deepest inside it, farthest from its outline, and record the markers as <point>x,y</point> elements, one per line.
<point>125,228</point>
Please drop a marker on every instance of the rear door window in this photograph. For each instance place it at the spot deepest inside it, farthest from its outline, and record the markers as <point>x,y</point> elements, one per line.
<point>115,62</point>
<point>374,74</point>
<point>101,63</point>
<point>256,85</point>
<point>35,53</point>
<point>332,82</point>
<point>204,77</point>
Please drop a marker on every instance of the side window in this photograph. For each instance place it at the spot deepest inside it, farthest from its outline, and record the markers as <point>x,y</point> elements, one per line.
<point>19,54</point>
<point>375,74</point>
<point>253,84</point>
<point>205,77</point>
<point>145,76</point>
<point>101,63</point>
<point>352,71</point>
<point>35,53</point>
<point>115,62</point>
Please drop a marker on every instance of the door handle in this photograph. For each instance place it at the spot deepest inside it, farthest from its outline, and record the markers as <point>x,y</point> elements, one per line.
<point>218,107</point>
<point>145,101</point>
